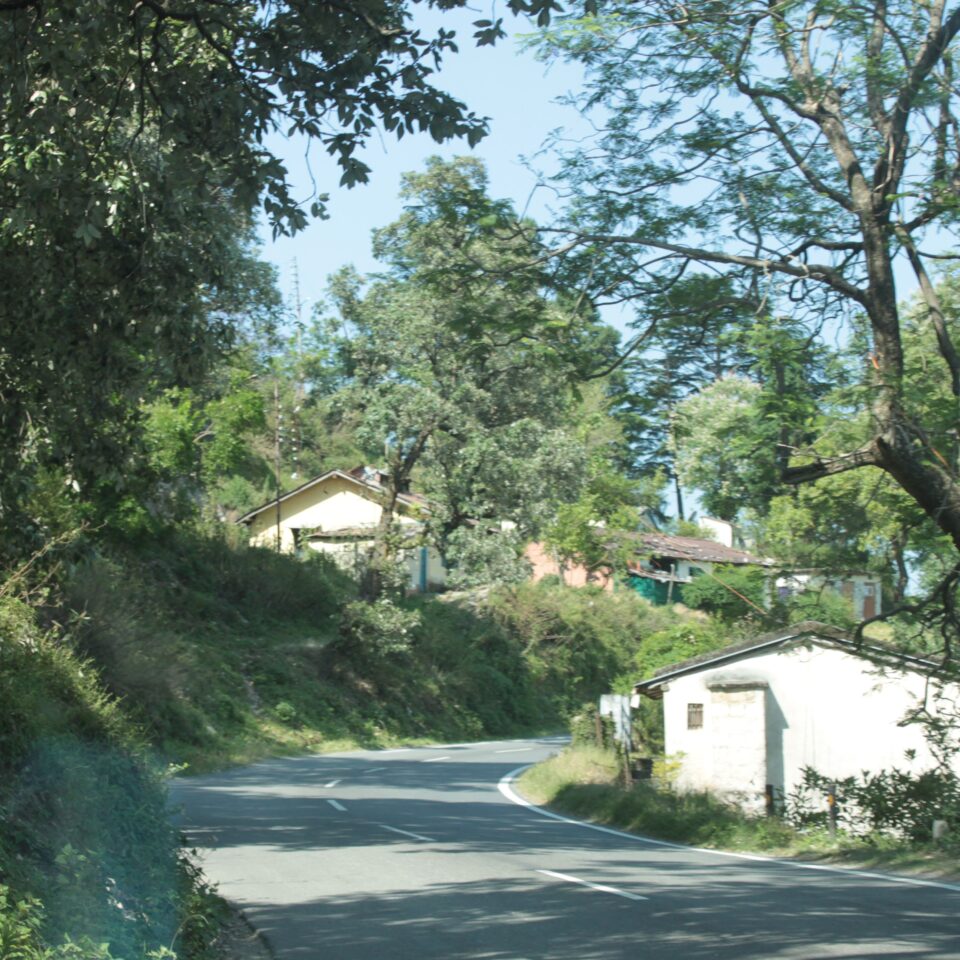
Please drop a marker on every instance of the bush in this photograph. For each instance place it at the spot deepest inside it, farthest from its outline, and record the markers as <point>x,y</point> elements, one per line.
<point>893,802</point>
<point>825,605</point>
<point>577,640</point>
<point>85,820</point>
<point>584,725</point>
<point>730,593</point>
<point>377,629</point>
<point>286,712</point>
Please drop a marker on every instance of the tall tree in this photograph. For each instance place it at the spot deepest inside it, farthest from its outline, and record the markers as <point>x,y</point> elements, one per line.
<point>801,149</point>
<point>690,338</point>
<point>133,154</point>
<point>461,362</point>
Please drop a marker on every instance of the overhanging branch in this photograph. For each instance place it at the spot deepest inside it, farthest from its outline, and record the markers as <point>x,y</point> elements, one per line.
<point>828,466</point>
<point>811,271</point>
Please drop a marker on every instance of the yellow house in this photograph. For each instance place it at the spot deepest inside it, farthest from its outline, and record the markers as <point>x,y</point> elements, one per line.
<point>337,514</point>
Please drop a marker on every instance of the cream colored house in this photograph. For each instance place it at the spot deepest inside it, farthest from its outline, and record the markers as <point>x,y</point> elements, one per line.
<point>745,720</point>
<point>337,514</point>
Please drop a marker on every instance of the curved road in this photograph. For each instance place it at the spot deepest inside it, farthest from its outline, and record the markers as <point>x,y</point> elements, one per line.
<point>422,853</point>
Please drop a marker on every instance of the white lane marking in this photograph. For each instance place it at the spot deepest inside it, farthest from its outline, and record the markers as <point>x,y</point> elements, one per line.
<point>332,783</point>
<point>407,833</point>
<point>337,806</point>
<point>395,750</point>
<point>514,750</point>
<point>374,769</point>
<point>505,787</point>
<point>434,759</point>
<point>593,886</point>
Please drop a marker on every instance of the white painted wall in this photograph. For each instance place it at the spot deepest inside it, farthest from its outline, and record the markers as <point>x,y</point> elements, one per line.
<point>723,531</point>
<point>822,707</point>
<point>855,587</point>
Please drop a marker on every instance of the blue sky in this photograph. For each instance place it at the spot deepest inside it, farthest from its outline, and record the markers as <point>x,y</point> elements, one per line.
<point>504,83</point>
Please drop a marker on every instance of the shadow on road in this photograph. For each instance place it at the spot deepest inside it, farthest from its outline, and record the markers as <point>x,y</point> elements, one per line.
<point>473,889</point>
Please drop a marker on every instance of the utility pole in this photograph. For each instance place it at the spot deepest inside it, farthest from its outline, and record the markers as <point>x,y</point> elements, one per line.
<point>276,455</point>
<point>298,381</point>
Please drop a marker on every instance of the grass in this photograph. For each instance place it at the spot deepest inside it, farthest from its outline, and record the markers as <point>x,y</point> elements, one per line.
<point>583,781</point>
<point>85,825</point>
<point>225,654</point>
<point>188,652</point>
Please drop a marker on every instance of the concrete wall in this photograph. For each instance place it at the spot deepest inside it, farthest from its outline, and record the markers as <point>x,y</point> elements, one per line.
<point>806,705</point>
<point>544,563</point>
<point>333,504</point>
<point>337,504</point>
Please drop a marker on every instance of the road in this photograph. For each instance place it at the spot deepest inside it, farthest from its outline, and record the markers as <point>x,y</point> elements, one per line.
<point>422,853</point>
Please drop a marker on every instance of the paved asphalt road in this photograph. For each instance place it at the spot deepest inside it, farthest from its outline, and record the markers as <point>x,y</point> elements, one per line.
<point>415,854</point>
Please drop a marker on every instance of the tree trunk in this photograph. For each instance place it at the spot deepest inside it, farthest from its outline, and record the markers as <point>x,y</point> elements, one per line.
<point>384,550</point>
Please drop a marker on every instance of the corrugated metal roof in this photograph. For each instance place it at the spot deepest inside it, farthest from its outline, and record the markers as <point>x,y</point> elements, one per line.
<point>694,548</point>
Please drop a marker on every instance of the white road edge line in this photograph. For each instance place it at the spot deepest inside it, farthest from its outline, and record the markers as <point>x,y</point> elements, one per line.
<point>593,886</point>
<point>337,806</point>
<point>514,750</point>
<point>434,759</point>
<point>407,833</point>
<point>505,786</point>
<point>332,783</point>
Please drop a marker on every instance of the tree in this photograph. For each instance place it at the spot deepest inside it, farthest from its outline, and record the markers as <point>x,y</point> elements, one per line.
<point>801,149</point>
<point>722,446</point>
<point>460,366</point>
<point>732,439</point>
<point>133,159</point>
<point>689,338</point>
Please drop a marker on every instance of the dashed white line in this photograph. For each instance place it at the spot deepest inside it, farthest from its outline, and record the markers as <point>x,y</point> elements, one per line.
<point>603,888</point>
<point>434,759</point>
<point>337,806</point>
<point>374,769</point>
<point>332,783</point>
<point>514,750</point>
<point>407,833</point>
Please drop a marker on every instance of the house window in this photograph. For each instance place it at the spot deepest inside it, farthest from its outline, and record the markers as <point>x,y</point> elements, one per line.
<point>694,716</point>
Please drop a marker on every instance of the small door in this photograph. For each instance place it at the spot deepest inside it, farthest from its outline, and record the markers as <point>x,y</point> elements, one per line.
<point>869,601</point>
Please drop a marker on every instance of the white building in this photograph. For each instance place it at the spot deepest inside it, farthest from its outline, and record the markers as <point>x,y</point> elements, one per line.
<point>861,590</point>
<point>745,720</point>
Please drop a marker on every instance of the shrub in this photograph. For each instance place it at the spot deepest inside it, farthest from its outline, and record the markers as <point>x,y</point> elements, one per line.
<point>377,629</point>
<point>584,727</point>
<point>285,712</point>
<point>895,802</point>
<point>730,593</point>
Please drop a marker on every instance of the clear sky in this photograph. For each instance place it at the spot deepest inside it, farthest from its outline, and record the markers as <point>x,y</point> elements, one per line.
<point>503,83</point>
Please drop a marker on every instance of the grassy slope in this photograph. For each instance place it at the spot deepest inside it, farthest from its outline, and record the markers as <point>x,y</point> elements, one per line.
<point>83,813</point>
<point>224,655</point>
<point>189,651</point>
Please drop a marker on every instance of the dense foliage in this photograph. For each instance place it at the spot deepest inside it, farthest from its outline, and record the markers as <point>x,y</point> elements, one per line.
<point>84,811</point>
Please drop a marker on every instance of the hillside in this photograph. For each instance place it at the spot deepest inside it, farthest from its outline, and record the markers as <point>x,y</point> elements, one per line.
<point>188,653</point>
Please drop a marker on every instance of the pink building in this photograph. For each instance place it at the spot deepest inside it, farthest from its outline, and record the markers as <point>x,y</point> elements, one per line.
<point>545,562</point>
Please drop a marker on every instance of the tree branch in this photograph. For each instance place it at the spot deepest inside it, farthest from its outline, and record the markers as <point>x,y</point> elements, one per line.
<point>821,467</point>
<point>947,350</point>
<point>813,271</point>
